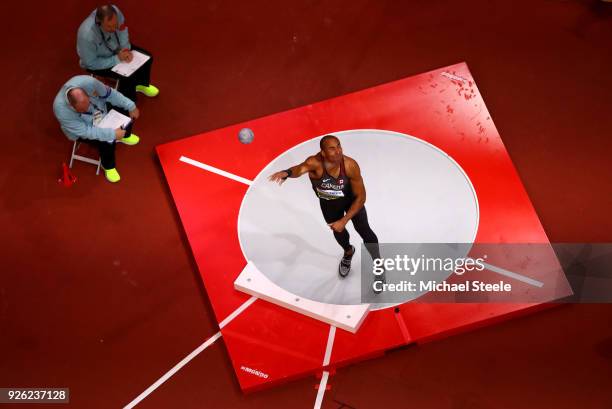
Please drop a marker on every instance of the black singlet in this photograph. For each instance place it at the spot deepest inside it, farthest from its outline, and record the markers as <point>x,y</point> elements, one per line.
<point>331,188</point>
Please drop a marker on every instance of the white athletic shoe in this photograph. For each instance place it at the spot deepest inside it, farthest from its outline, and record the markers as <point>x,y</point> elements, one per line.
<point>344,268</point>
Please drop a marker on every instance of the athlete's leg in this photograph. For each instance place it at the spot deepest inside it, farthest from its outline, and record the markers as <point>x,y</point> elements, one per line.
<point>333,210</point>
<point>360,222</point>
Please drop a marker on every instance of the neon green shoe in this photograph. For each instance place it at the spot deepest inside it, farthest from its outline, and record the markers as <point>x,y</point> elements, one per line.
<point>150,91</point>
<point>130,140</point>
<point>112,175</point>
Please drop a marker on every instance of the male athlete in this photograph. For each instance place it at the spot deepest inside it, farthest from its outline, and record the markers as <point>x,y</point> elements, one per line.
<point>337,182</point>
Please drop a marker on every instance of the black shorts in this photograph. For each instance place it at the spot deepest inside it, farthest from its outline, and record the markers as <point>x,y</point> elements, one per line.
<point>334,210</point>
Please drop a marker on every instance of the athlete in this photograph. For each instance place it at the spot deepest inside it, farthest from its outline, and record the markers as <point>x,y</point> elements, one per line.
<point>336,180</point>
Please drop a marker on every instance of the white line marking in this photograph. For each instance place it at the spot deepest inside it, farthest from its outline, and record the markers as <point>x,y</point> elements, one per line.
<point>215,170</point>
<point>516,276</point>
<point>174,370</point>
<point>192,355</point>
<point>330,344</point>
<point>321,390</point>
<point>236,312</point>
<point>453,77</point>
<point>328,350</point>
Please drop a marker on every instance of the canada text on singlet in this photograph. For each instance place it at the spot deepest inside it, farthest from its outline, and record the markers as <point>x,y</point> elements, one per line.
<point>331,188</point>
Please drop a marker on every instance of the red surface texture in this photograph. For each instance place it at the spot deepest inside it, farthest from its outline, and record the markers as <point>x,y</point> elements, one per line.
<point>442,107</point>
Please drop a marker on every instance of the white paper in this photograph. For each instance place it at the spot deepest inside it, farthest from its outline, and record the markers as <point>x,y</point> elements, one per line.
<point>114,120</point>
<point>127,68</point>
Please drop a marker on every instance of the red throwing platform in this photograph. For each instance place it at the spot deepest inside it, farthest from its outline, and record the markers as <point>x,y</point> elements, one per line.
<point>269,344</point>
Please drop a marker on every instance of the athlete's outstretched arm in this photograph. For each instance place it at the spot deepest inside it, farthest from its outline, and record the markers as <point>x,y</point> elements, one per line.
<point>294,171</point>
<point>358,188</point>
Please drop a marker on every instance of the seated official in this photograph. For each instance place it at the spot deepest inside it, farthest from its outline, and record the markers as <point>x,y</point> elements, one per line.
<point>103,42</point>
<point>80,104</point>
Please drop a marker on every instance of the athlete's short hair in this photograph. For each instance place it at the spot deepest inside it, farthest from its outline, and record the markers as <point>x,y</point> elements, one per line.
<point>327,138</point>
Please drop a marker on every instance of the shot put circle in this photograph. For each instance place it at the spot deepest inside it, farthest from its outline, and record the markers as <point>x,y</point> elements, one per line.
<point>416,193</point>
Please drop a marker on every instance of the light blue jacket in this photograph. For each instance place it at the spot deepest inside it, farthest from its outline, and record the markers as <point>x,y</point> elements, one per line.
<point>94,52</point>
<point>80,125</point>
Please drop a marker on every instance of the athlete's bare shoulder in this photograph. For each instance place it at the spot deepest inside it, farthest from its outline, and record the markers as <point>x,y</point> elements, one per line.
<point>314,162</point>
<point>349,161</point>
<point>351,166</point>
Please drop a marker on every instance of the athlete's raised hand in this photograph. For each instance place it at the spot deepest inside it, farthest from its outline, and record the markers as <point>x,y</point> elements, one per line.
<point>279,177</point>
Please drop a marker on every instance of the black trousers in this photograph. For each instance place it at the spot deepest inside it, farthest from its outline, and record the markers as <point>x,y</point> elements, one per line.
<point>334,210</point>
<point>127,85</point>
<point>106,149</point>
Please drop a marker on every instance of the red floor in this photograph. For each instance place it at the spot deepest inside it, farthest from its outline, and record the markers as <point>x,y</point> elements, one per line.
<point>99,292</point>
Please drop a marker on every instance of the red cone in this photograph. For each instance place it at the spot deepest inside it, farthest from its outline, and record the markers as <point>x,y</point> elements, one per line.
<point>67,179</point>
